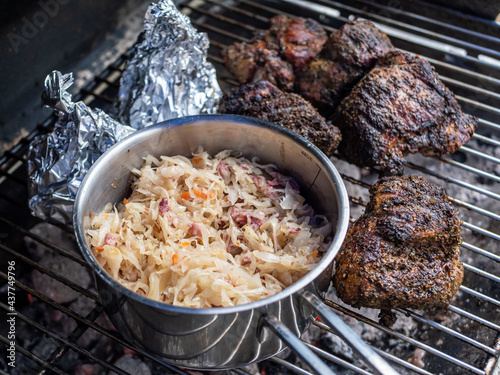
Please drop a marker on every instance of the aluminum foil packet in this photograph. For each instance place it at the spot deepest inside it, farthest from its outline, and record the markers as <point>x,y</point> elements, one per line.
<point>58,161</point>
<point>168,75</point>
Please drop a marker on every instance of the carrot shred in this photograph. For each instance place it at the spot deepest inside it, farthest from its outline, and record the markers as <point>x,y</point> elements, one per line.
<point>91,215</point>
<point>106,216</point>
<point>199,193</point>
<point>197,160</point>
<point>99,248</point>
<point>125,200</point>
<point>175,259</point>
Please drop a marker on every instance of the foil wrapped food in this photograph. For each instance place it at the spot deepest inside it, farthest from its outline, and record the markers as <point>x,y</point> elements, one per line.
<point>168,75</point>
<point>58,161</point>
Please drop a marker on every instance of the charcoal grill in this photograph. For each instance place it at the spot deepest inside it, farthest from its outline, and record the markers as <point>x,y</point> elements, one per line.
<point>465,51</point>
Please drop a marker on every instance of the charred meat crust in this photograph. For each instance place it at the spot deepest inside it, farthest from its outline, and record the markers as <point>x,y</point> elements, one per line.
<point>403,252</point>
<point>273,55</point>
<point>265,101</point>
<point>347,55</point>
<point>400,107</point>
<point>357,43</point>
<point>256,61</point>
<point>299,40</point>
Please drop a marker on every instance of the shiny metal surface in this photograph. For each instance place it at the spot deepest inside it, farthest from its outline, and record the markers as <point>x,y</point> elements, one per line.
<point>219,337</point>
<point>371,358</point>
<point>306,354</point>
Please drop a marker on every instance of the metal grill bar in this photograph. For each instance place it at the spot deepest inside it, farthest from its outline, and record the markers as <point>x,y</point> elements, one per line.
<point>481,230</point>
<point>454,181</point>
<point>469,168</point>
<point>480,154</point>
<point>15,159</point>
<point>477,104</point>
<point>435,21</point>
<point>484,322</point>
<point>478,295</point>
<point>66,342</point>
<point>471,102</point>
<point>449,331</point>
<point>52,274</point>
<point>380,352</point>
<point>480,251</point>
<point>464,224</point>
<point>412,27</point>
<point>398,335</point>
<point>224,19</point>
<point>482,273</point>
<point>58,353</point>
<point>290,366</point>
<point>239,10</point>
<point>33,357</point>
<point>77,317</point>
<point>484,139</point>
<point>475,208</point>
<point>336,360</point>
<point>474,89</point>
<point>46,243</point>
<point>489,124</point>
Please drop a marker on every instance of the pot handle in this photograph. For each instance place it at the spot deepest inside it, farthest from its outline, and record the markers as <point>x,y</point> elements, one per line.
<point>306,354</point>
<point>380,366</point>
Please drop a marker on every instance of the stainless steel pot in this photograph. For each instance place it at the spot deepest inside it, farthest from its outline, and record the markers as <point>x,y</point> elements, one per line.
<point>225,337</point>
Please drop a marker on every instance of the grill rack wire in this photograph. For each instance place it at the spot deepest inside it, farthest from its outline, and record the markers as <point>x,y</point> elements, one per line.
<point>472,76</point>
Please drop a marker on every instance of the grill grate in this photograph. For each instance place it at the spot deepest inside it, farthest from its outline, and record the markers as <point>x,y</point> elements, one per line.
<point>465,339</point>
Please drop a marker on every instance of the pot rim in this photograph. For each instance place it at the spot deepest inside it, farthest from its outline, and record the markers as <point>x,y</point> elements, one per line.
<point>117,149</point>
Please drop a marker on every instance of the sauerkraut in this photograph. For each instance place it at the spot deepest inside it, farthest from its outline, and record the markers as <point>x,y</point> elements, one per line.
<point>209,231</point>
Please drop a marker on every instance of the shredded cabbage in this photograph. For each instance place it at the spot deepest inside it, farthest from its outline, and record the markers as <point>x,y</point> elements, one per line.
<point>205,232</point>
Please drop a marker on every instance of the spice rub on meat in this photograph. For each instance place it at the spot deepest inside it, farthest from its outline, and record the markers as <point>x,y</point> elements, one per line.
<point>273,55</point>
<point>403,252</point>
<point>250,62</point>
<point>265,101</point>
<point>299,40</point>
<point>400,107</point>
<point>347,56</point>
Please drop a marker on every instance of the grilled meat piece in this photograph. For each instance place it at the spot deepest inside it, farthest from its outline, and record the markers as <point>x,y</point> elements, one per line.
<point>299,40</point>
<point>265,101</point>
<point>403,252</point>
<point>273,54</point>
<point>400,107</point>
<point>325,83</point>
<point>346,57</point>
<point>249,62</point>
<point>357,43</point>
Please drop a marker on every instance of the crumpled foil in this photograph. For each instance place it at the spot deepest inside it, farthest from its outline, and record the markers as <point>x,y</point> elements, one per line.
<point>168,75</point>
<point>58,162</point>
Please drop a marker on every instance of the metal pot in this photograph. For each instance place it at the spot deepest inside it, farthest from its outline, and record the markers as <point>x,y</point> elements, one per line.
<point>223,337</point>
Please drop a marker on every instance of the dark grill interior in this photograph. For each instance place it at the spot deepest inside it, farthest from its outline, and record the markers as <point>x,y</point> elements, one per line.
<point>58,312</point>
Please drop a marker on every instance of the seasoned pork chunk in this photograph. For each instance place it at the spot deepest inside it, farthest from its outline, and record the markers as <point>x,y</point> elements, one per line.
<point>273,55</point>
<point>347,56</point>
<point>267,102</point>
<point>400,107</point>
<point>403,252</point>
